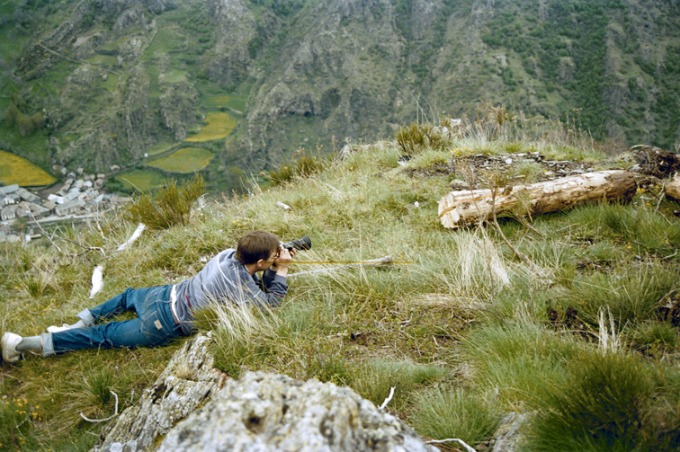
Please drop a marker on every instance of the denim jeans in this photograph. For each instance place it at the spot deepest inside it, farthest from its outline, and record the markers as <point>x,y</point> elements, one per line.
<point>154,324</point>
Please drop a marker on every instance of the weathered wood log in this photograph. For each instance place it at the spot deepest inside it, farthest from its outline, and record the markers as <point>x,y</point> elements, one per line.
<point>460,208</point>
<point>672,188</point>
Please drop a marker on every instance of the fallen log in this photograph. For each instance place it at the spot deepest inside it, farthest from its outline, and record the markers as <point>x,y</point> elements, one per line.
<point>464,207</point>
<point>672,188</point>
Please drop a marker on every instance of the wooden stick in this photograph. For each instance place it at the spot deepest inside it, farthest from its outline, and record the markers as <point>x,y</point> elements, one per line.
<point>387,260</point>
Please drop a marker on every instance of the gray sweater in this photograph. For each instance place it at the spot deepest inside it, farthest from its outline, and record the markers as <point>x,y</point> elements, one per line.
<point>224,279</point>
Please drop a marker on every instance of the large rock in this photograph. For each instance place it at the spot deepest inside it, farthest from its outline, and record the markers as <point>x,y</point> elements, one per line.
<point>188,381</point>
<point>273,412</point>
<point>258,412</point>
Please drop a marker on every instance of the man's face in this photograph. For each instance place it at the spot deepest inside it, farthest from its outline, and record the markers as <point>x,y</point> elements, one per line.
<point>272,258</point>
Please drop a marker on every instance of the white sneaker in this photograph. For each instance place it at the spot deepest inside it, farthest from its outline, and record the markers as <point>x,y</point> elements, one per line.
<point>58,329</point>
<point>9,347</point>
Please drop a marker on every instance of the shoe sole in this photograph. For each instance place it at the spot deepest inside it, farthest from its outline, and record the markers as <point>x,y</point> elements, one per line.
<point>5,338</point>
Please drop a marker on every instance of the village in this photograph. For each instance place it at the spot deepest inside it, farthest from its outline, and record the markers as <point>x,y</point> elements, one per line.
<point>23,213</point>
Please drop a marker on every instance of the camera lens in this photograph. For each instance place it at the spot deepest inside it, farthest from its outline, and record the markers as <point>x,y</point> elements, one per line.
<point>303,243</point>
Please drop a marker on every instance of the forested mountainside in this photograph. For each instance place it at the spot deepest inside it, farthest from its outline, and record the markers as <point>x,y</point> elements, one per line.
<point>96,83</point>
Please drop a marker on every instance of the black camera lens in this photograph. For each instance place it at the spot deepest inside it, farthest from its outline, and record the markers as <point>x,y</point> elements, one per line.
<point>303,243</point>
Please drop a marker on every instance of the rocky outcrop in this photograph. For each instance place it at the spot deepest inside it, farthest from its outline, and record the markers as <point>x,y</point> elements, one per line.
<point>178,108</point>
<point>186,383</point>
<point>192,406</point>
<point>237,39</point>
<point>273,412</point>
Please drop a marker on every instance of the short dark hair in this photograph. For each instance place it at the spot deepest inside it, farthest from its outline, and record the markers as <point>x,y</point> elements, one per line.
<point>256,245</point>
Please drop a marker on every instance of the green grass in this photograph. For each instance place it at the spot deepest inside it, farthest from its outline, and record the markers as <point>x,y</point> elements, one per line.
<point>632,293</point>
<point>604,405</point>
<point>444,413</point>
<point>141,180</point>
<point>218,125</point>
<point>460,326</point>
<point>32,147</point>
<point>375,379</point>
<point>186,160</point>
<point>233,101</point>
<point>174,76</point>
<point>166,40</point>
<point>161,148</point>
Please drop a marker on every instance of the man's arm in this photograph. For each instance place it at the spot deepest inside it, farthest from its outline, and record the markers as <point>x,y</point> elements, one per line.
<point>270,292</point>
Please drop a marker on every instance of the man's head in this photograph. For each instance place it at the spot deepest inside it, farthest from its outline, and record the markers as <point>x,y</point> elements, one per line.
<point>256,245</point>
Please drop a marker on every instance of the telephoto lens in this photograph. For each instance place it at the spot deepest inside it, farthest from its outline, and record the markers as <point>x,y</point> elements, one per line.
<point>303,243</point>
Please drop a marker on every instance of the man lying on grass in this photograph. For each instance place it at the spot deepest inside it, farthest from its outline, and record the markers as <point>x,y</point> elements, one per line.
<point>167,312</point>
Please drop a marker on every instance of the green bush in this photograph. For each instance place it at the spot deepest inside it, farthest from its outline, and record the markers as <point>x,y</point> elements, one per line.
<point>16,424</point>
<point>374,380</point>
<point>419,137</point>
<point>454,413</point>
<point>608,402</point>
<point>303,166</point>
<point>518,359</point>
<point>653,337</point>
<point>171,206</point>
<point>631,294</point>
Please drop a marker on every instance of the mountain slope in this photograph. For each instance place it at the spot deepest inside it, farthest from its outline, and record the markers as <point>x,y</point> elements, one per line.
<point>101,83</point>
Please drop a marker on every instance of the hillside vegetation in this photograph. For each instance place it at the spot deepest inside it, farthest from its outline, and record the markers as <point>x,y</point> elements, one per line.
<point>99,83</point>
<point>570,319</point>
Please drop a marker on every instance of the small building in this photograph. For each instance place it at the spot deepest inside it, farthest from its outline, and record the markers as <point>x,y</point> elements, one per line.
<point>70,207</point>
<point>9,189</point>
<point>10,199</point>
<point>8,213</point>
<point>55,199</point>
<point>28,196</point>
<point>29,209</point>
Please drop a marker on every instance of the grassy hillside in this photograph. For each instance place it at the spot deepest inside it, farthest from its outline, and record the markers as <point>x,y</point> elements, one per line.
<point>576,334</point>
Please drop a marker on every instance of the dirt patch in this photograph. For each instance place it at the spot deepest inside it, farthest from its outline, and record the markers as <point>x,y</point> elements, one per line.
<point>656,162</point>
<point>473,168</point>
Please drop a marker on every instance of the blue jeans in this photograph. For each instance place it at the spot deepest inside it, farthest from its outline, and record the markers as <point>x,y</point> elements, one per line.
<point>154,324</point>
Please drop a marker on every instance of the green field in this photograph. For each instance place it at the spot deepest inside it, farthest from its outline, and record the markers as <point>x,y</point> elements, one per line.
<point>185,160</point>
<point>218,126</point>
<point>142,180</point>
<point>160,148</point>
<point>18,170</point>
<point>215,99</point>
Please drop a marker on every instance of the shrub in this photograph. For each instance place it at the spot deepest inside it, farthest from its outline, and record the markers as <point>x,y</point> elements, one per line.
<point>171,206</point>
<point>632,294</point>
<point>303,166</point>
<point>653,336</point>
<point>517,358</point>
<point>374,379</point>
<point>605,404</point>
<point>418,137</point>
<point>16,424</point>
<point>454,413</point>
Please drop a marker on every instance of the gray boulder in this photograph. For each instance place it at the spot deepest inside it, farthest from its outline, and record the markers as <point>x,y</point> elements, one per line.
<point>263,411</point>
<point>193,406</point>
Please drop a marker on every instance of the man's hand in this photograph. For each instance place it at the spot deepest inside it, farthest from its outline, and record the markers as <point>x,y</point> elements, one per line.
<point>285,258</point>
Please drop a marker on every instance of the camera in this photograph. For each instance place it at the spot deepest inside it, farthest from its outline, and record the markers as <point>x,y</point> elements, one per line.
<point>303,243</point>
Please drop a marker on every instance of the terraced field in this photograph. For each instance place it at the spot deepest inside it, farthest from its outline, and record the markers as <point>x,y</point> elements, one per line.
<point>18,170</point>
